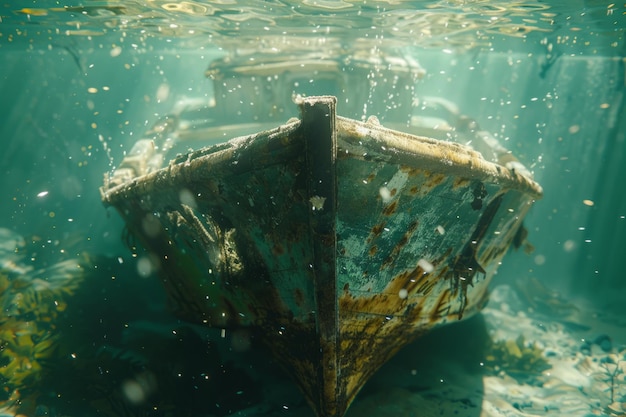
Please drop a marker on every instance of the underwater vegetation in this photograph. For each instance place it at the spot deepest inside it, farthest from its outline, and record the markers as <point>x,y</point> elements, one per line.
<point>614,377</point>
<point>87,336</point>
<point>518,358</point>
<point>32,301</point>
<point>607,367</point>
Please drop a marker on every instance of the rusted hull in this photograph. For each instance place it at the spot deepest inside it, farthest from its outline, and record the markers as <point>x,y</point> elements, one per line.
<point>342,241</point>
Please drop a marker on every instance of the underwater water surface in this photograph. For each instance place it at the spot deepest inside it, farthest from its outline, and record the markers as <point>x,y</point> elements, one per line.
<point>86,328</point>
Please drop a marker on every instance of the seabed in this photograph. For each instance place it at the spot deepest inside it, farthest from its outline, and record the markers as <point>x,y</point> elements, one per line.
<point>511,360</point>
<point>519,357</point>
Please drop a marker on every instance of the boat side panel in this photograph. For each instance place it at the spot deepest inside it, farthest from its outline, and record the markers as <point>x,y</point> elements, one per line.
<point>226,219</point>
<point>420,254</point>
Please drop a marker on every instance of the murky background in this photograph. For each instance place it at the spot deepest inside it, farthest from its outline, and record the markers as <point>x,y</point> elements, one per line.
<point>80,83</point>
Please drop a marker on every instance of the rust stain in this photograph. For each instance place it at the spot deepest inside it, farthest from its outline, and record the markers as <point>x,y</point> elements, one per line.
<point>384,340</point>
<point>376,304</point>
<point>417,281</point>
<point>278,249</point>
<point>373,250</point>
<point>426,288</point>
<point>386,321</point>
<point>375,232</point>
<point>388,302</point>
<point>391,208</point>
<point>407,280</point>
<point>411,228</point>
<point>433,180</point>
<point>427,181</point>
<point>442,308</point>
<point>412,172</point>
<point>299,297</point>
<point>460,182</point>
<point>393,192</point>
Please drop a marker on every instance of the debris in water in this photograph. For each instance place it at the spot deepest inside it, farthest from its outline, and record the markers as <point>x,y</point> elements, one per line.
<point>317,202</point>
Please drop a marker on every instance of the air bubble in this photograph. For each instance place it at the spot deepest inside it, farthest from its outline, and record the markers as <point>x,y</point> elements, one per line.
<point>187,198</point>
<point>425,265</point>
<point>115,51</point>
<point>385,194</point>
<point>145,267</point>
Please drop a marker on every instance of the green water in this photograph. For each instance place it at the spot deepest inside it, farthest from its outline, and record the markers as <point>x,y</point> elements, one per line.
<point>81,83</point>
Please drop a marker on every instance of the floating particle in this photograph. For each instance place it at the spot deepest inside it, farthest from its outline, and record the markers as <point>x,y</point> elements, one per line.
<point>574,129</point>
<point>317,202</point>
<point>425,265</point>
<point>187,198</point>
<point>163,92</point>
<point>144,267</point>
<point>92,90</point>
<point>540,259</point>
<point>589,203</point>
<point>133,391</point>
<point>403,293</point>
<point>385,194</point>
<point>42,194</point>
<point>440,230</point>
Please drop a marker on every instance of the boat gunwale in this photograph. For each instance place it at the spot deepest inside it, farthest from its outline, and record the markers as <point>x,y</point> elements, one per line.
<point>214,153</point>
<point>399,147</point>
<point>354,137</point>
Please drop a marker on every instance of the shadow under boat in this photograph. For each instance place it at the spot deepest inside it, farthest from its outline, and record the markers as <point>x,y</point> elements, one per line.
<point>341,241</point>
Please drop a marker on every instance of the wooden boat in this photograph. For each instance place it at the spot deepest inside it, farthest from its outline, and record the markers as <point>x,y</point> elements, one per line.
<point>342,241</point>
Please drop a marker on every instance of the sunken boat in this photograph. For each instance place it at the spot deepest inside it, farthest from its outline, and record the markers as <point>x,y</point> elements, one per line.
<point>340,240</point>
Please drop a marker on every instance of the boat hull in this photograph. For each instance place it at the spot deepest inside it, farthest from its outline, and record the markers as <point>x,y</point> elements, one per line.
<point>341,241</point>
